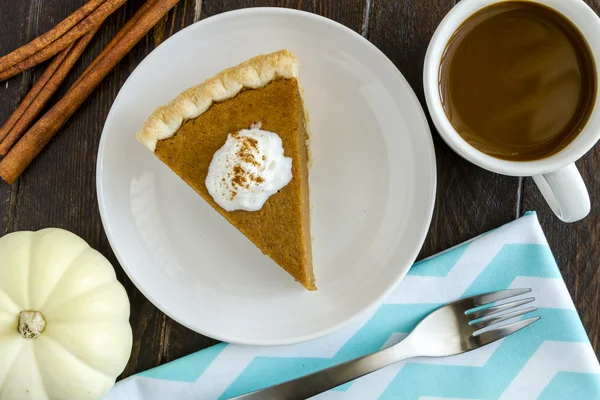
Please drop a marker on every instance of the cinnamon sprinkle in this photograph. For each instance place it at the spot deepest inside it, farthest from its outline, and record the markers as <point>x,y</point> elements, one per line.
<point>239,176</point>
<point>246,154</point>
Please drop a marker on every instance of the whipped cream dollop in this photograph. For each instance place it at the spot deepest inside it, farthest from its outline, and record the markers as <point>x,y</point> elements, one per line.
<point>248,169</point>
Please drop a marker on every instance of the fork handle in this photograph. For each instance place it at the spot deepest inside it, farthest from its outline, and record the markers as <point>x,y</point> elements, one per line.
<point>321,381</point>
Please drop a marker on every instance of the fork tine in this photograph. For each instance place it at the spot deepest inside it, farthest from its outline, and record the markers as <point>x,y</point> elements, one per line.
<point>487,298</point>
<point>503,331</point>
<point>494,320</point>
<point>503,307</point>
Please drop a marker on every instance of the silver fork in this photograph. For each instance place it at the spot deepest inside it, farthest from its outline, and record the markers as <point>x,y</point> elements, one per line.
<point>451,329</point>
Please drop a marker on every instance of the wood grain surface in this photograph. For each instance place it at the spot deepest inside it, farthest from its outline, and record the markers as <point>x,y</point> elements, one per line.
<point>59,187</point>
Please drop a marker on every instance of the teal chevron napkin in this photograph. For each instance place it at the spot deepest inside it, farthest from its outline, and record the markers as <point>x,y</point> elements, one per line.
<point>553,359</point>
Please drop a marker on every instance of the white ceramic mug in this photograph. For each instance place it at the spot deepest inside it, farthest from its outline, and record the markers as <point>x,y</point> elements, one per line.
<point>556,176</point>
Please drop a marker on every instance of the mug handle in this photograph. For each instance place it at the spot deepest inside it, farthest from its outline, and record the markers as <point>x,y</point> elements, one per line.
<point>565,193</point>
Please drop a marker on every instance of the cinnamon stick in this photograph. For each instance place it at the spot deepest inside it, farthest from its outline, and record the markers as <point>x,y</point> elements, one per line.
<point>46,92</point>
<point>93,20</point>
<point>53,34</point>
<point>126,28</point>
<point>32,94</point>
<point>32,143</point>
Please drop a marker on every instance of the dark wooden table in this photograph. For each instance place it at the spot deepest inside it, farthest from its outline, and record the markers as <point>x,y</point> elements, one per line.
<point>59,190</point>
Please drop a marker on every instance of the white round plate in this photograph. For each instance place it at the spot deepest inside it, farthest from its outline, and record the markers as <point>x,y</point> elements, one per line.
<point>372,185</point>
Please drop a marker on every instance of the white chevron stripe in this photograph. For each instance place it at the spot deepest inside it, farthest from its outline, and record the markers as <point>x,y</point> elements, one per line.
<point>368,387</point>
<point>234,359</point>
<point>473,261</point>
<point>550,358</point>
<point>332,395</point>
<point>140,388</point>
<point>394,338</point>
<point>441,398</point>
<point>548,292</point>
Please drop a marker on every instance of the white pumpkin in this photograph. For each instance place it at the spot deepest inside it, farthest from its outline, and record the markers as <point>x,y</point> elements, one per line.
<point>64,318</point>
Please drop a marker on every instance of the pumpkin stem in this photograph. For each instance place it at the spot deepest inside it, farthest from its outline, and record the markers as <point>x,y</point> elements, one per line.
<point>31,324</point>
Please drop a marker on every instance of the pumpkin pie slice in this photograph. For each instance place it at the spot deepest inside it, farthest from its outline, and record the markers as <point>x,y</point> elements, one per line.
<point>237,139</point>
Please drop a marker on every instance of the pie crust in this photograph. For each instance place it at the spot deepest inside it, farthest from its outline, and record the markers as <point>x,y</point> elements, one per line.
<point>252,74</point>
